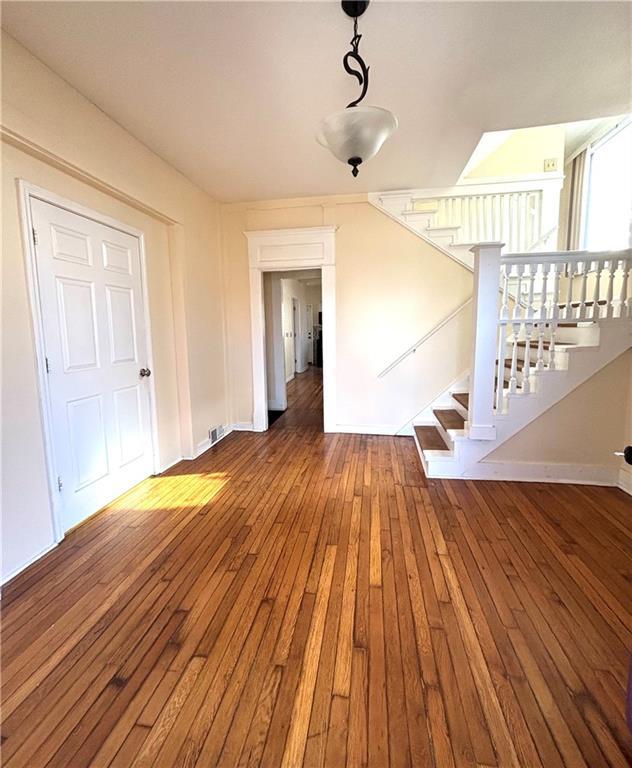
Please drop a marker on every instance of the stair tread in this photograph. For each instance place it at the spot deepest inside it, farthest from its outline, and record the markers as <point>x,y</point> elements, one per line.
<point>546,344</point>
<point>449,418</point>
<point>462,398</point>
<point>430,439</point>
<point>575,304</point>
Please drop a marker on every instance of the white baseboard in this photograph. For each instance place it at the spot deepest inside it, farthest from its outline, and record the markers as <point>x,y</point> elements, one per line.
<point>366,429</point>
<point>208,443</point>
<point>581,474</point>
<point>243,426</point>
<point>288,379</point>
<point>277,405</point>
<point>170,464</point>
<point>625,480</point>
<point>12,574</point>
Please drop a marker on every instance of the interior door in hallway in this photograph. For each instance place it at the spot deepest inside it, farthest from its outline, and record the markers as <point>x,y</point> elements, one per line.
<point>90,288</point>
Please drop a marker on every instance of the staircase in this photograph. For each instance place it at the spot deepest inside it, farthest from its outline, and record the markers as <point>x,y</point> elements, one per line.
<point>523,214</point>
<point>573,316</point>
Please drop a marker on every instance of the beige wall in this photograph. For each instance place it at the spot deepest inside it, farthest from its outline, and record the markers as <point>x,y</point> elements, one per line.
<point>391,287</point>
<point>584,428</point>
<point>523,153</point>
<point>60,141</point>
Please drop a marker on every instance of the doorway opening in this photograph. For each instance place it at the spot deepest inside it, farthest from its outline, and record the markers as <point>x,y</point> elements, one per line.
<point>279,250</point>
<point>293,346</point>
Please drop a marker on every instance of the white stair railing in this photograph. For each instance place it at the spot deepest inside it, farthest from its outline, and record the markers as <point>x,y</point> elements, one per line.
<point>521,213</point>
<point>554,289</point>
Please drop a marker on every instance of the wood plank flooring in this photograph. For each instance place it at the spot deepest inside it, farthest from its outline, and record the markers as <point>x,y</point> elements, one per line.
<point>294,598</point>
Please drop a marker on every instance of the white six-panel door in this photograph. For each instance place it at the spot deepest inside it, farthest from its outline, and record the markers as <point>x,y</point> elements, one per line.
<point>91,301</point>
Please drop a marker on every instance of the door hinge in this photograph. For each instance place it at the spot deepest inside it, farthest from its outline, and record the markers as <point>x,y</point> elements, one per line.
<point>47,365</point>
<point>34,235</point>
<point>60,484</point>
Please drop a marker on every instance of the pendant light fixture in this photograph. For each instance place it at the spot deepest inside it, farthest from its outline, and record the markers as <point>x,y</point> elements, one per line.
<point>356,134</point>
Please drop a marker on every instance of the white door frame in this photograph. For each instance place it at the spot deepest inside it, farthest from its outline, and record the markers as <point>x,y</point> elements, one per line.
<point>26,193</point>
<point>282,250</point>
<point>297,331</point>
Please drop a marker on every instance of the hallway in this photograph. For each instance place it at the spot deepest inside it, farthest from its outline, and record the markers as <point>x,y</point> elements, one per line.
<point>298,598</point>
<point>304,401</point>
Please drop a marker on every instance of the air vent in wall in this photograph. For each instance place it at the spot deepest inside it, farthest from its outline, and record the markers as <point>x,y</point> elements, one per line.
<point>216,433</point>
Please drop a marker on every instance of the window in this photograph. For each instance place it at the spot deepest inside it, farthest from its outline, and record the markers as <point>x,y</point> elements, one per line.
<point>608,210</point>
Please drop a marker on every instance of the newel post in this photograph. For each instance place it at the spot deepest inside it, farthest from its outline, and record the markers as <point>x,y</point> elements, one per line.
<point>483,369</point>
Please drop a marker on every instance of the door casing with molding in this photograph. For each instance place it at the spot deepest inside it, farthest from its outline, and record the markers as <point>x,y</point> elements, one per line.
<point>27,193</point>
<point>283,250</point>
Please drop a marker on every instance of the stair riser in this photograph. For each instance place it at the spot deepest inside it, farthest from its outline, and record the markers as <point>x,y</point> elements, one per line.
<point>460,408</point>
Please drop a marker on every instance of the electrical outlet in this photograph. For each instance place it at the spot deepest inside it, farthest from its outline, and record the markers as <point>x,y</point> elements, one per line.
<point>550,164</point>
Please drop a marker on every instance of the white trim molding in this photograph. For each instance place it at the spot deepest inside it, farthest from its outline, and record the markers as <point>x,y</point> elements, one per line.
<point>282,250</point>
<point>625,480</point>
<point>535,472</point>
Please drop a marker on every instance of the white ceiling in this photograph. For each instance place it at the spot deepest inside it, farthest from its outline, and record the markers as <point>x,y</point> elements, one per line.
<point>231,94</point>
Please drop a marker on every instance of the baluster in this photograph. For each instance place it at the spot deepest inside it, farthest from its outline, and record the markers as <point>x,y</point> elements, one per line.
<point>555,314</point>
<point>526,365</point>
<point>612,268</point>
<point>582,293</point>
<point>515,235</point>
<point>568,309</point>
<point>519,222</point>
<point>540,329</point>
<point>480,204</point>
<point>544,296</point>
<point>513,375</point>
<point>518,304</point>
<point>624,301</point>
<point>508,224</point>
<point>541,326</point>
<point>538,219</point>
<point>528,327</point>
<point>489,219</point>
<point>504,310</point>
<point>596,291</point>
<point>502,356</point>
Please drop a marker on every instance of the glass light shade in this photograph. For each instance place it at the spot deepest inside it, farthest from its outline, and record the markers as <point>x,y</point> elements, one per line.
<point>354,135</point>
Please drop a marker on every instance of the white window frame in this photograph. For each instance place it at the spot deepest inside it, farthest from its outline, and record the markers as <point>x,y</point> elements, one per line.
<point>585,197</point>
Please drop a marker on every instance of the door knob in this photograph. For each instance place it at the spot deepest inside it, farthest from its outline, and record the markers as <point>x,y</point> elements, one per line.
<point>144,372</point>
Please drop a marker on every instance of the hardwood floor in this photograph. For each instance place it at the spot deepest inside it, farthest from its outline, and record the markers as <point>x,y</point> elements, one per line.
<point>294,598</point>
